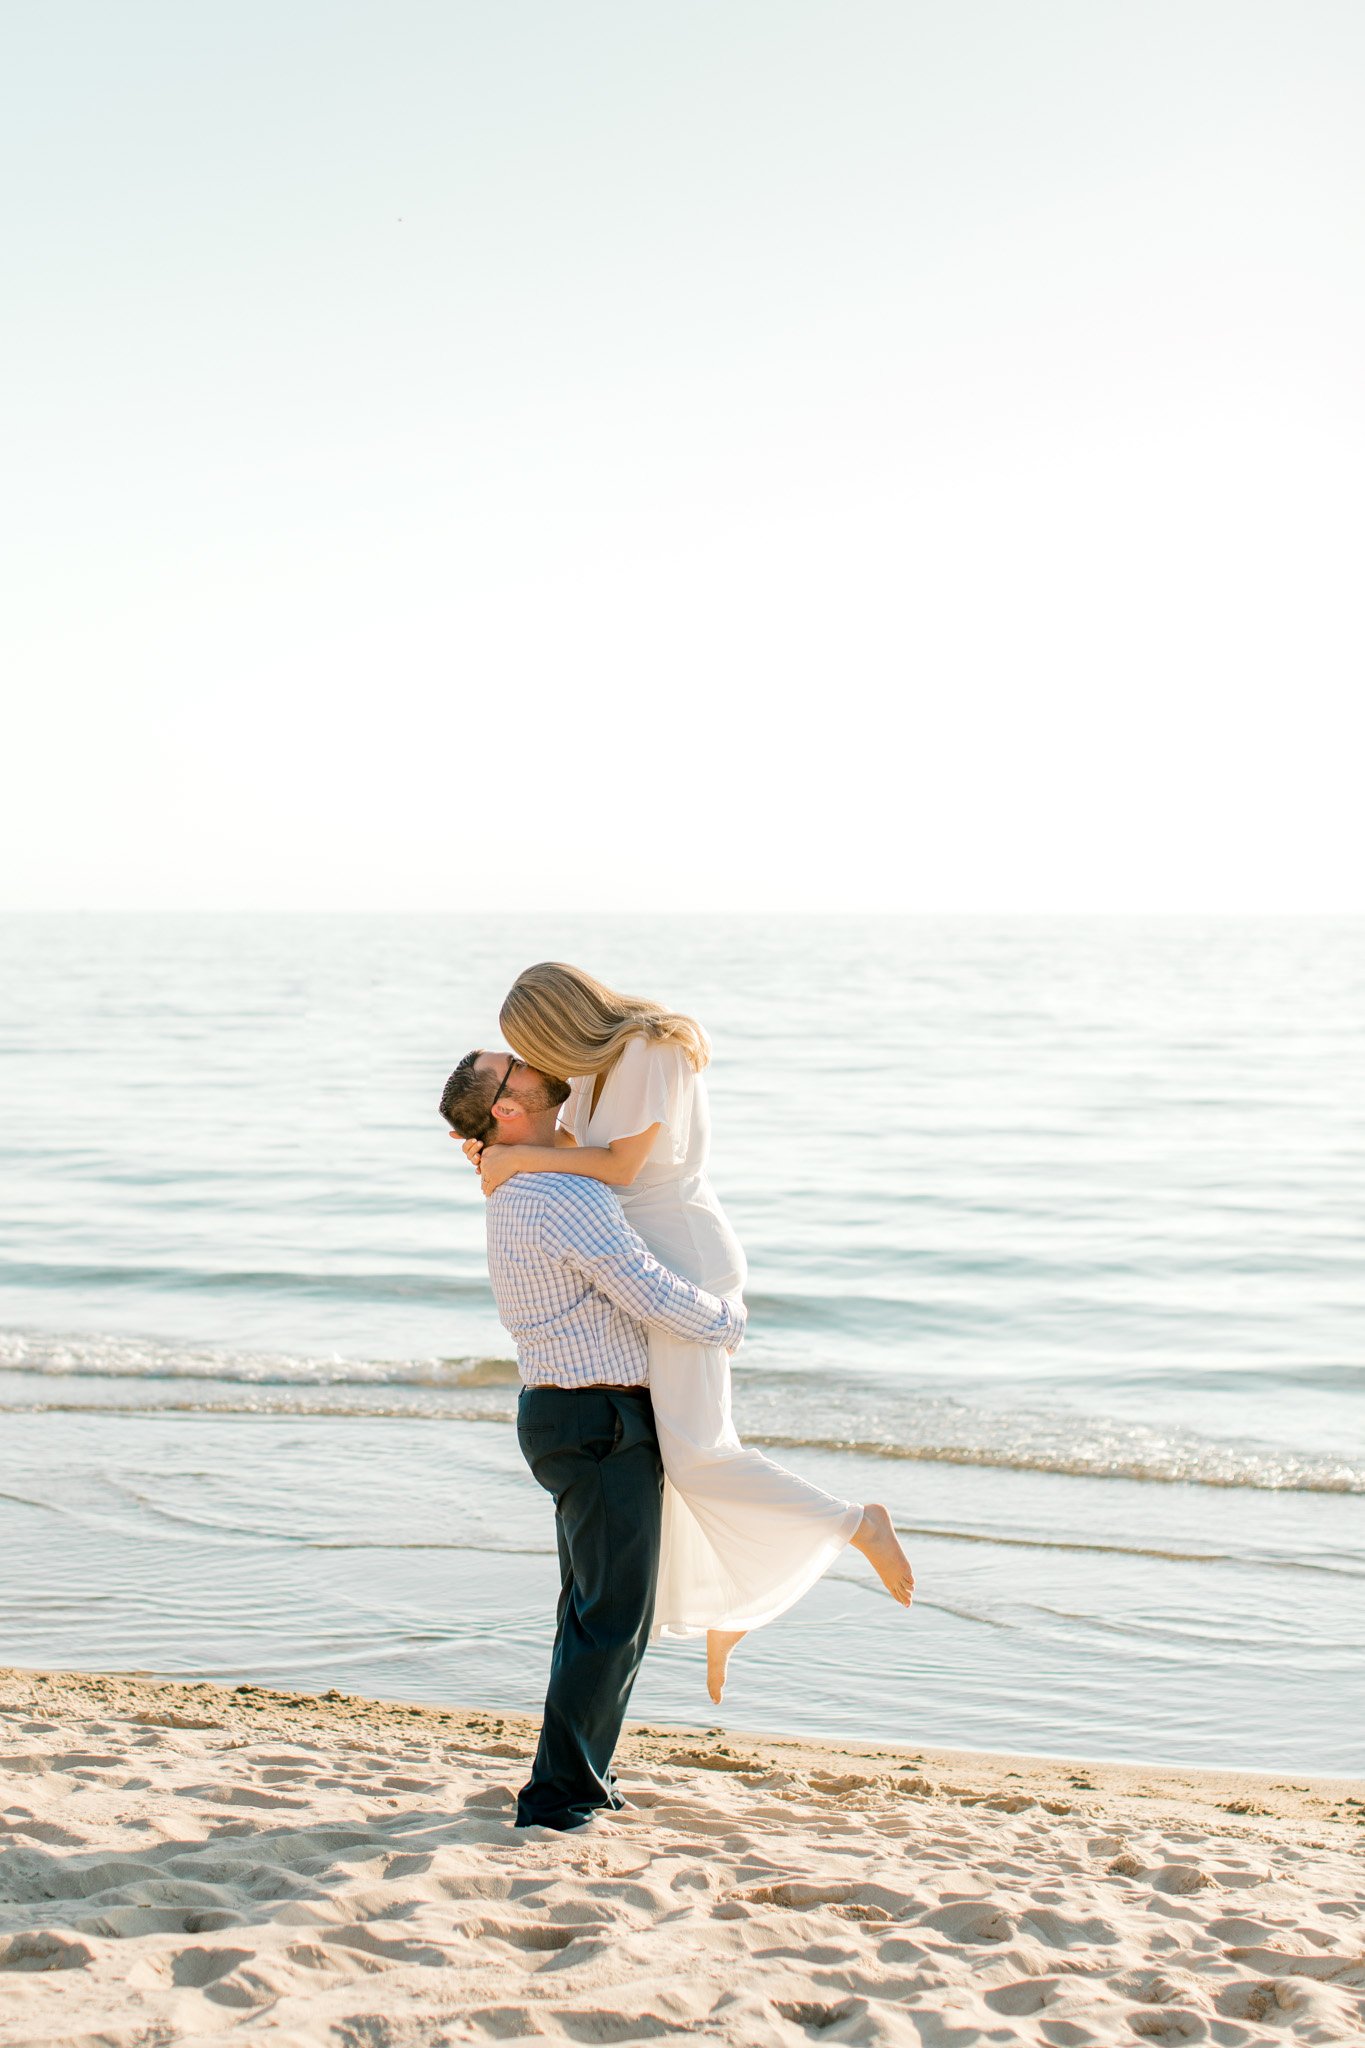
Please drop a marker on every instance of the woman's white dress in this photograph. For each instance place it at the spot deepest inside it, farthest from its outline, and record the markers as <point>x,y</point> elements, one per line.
<point>742,1538</point>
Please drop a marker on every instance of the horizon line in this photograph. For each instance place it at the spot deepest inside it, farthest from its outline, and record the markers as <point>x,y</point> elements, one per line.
<point>694,911</point>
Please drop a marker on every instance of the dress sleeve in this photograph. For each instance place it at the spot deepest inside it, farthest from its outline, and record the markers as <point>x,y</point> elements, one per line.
<point>650,1084</point>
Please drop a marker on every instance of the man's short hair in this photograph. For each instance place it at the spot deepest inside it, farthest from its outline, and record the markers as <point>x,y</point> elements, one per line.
<point>467,1097</point>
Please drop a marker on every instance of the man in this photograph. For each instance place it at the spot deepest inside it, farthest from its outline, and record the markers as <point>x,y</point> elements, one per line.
<point>575,1287</point>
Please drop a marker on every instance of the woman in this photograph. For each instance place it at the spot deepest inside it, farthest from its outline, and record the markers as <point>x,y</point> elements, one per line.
<point>742,1537</point>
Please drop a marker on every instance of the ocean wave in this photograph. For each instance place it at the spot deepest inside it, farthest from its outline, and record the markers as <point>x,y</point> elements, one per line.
<point>779,1410</point>
<point>142,1358</point>
<point>1195,1462</point>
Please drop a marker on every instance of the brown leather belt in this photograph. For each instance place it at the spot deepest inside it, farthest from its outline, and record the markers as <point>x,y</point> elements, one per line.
<point>593,1387</point>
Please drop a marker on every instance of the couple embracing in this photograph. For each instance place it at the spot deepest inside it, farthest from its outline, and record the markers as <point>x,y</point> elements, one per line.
<point>620,1280</point>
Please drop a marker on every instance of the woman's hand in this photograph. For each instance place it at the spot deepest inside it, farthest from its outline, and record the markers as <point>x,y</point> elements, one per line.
<point>498,1164</point>
<point>471,1147</point>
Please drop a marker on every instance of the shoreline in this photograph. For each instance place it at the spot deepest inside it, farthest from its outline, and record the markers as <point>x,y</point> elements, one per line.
<point>1186,1625</point>
<point>645,1743</point>
<point>192,1862</point>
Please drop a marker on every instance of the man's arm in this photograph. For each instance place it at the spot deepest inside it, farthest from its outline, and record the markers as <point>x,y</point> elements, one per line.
<point>585,1230</point>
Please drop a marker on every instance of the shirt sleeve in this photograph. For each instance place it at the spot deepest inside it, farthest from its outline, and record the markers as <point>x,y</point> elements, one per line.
<point>651,1084</point>
<point>587,1233</point>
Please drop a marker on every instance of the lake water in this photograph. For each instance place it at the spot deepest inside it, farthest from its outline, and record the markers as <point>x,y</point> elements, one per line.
<point>1055,1242</point>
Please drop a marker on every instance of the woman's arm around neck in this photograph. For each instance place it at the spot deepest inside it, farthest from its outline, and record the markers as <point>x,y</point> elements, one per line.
<point>617,1164</point>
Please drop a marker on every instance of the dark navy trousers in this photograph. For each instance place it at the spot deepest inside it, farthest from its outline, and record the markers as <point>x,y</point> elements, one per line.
<point>595,1450</point>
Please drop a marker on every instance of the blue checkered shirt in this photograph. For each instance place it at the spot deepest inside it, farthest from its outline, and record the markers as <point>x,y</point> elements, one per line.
<point>575,1286</point>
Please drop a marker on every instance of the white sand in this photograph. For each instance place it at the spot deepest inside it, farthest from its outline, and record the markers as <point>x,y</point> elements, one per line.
<point>187,1864</point>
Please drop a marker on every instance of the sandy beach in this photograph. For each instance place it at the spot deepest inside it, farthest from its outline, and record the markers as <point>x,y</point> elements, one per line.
<point>184,1862</point>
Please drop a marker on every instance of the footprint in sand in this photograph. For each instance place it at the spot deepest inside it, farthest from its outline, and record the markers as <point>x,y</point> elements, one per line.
<point>43,1950</point>
<point>196,1967</point>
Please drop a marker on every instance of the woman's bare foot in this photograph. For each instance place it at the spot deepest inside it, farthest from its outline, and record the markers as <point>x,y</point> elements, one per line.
<point>719,1643</point>
<point>877,1540</point>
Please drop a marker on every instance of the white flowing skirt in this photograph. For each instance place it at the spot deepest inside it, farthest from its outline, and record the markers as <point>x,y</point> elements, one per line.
<point>743,1538</point>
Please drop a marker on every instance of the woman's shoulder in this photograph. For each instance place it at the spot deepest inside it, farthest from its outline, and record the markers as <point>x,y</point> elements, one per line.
<point>660,1062</point>
<point>641,1050</point>
<point>649,1083</point>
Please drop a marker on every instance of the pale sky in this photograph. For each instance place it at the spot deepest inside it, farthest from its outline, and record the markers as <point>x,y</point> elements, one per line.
<point>727,454</point>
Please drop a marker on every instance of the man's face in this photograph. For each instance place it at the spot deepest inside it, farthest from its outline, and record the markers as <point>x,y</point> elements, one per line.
<point>523,1090</point>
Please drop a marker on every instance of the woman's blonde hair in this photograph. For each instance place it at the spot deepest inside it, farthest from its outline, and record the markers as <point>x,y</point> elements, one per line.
<point>565,1022</point>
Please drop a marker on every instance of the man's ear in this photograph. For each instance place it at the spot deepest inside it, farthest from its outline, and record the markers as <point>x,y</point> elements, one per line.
<point>503,1110</point>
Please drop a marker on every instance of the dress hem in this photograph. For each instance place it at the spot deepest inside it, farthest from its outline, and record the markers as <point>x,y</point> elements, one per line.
<point>735,1619</point>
